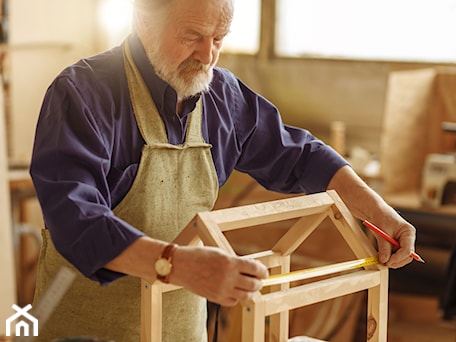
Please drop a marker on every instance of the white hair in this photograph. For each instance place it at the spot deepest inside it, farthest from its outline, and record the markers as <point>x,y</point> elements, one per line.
<point>153,11</point>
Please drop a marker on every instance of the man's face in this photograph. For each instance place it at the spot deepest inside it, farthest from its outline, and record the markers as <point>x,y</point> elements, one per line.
<point>188,45</point>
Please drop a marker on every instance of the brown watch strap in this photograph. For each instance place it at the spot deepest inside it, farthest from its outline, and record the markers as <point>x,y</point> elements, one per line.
<point>167,254</point>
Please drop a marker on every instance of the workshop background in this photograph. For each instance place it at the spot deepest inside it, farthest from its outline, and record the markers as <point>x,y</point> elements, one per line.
<point>377,81</point>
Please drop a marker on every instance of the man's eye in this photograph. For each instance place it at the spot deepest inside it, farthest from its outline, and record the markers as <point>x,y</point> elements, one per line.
<point>191,38</point>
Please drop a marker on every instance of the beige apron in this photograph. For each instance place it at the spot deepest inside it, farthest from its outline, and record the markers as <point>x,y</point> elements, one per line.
<point>173,183</point>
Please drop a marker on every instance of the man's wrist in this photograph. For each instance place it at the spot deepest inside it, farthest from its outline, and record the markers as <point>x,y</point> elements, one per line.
<point>164,264</point>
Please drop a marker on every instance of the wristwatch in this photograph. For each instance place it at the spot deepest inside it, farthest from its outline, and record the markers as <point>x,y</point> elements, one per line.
<point>164,265</point>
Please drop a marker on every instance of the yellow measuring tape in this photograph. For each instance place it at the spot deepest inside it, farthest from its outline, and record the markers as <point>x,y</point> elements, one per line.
<point>319,271</point>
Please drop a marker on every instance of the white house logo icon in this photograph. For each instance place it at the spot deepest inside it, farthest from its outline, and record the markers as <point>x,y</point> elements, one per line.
<point>23,321</point>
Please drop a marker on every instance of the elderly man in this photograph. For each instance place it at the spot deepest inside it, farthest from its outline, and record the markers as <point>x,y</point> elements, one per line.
<point>133,142</point>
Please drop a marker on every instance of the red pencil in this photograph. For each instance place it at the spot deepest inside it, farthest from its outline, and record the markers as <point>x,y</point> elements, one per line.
<point>388,238</point>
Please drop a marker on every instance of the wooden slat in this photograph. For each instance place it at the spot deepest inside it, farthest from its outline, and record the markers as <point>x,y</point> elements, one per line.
<point>146,311</point>
<point>296,235</point>
<point>268,212</point>
<point>189,235</point>
<point>211,234</point>
<point>269,258</point>
<point>278,323</point>
<point>253,324</point>
<point>320,291</point>
<point>350,228</point>
<point>377,310</point>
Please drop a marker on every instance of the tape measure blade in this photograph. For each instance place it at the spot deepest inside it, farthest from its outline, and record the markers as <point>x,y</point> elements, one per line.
<point>319,271</point>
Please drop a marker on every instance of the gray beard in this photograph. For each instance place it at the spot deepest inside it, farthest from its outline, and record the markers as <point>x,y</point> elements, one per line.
<point>185,85</point>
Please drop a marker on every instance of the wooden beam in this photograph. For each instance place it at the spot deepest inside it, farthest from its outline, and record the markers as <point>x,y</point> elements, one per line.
<point>268,212</point>
<point>320,291</point>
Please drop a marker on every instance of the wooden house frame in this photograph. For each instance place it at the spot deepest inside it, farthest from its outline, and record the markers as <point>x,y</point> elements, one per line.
<point>310,211</point>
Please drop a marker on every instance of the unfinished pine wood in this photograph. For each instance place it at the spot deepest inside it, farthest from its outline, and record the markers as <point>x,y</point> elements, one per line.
<point>151,309</point>
<point>377,310</point>
<point>276,301</point>
<point>416,104</point>
<point>278,323</point>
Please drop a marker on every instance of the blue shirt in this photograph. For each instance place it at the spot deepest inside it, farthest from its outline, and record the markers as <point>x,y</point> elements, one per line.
<point>88,146</point>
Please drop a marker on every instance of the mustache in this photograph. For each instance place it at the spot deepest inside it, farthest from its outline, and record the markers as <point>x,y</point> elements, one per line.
<point>191,64</point>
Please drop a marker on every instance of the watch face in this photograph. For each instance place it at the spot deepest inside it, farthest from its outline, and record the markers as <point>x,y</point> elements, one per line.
<point>162,267</point>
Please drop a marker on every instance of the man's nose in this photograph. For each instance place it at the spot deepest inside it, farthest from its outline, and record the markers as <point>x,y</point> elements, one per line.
<point>204,51</point>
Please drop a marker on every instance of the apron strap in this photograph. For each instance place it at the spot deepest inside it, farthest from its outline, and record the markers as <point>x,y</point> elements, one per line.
<point>150,123</point>
<point>194,134</point>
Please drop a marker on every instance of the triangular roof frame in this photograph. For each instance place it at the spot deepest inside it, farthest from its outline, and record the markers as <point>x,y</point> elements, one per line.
<point>310,211</point>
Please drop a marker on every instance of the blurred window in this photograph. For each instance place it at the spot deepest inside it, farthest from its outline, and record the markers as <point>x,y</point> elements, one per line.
<point>245,28</point>
<point>401,30</point>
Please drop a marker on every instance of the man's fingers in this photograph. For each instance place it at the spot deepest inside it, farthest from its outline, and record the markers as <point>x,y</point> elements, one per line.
<point>248,283</point>
<point>400,258</point>
<point>217,276</point>
<point>385,250</point>
<point>253,268</point>
<point>393,257</point>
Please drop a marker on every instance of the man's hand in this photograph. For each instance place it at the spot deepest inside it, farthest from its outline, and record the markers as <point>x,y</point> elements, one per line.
<point>217,276</point>
<point>404,233</point>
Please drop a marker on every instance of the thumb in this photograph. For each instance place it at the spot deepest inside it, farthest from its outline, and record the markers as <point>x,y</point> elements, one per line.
<point>385,250</point>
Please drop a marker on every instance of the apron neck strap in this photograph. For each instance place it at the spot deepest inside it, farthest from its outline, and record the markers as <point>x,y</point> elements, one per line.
<point>150,123</point>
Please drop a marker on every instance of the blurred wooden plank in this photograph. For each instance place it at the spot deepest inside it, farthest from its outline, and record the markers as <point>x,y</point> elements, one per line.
<point>7,285</point>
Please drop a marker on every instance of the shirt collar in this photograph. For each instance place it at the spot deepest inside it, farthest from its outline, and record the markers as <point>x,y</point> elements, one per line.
<point>163,95</point>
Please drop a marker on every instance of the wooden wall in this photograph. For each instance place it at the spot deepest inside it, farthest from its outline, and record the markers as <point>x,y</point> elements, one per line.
<point>312,93</point>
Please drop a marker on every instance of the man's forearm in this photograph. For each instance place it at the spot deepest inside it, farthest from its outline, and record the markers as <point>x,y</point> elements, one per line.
<point>138,258</point>
<point>362,201</point>
<point>365,204</point>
